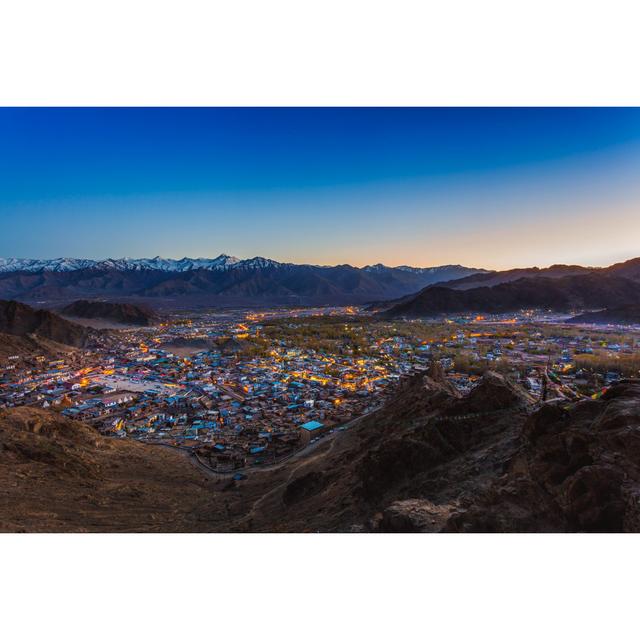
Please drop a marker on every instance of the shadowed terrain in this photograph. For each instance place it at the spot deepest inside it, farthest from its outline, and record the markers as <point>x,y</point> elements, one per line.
<point>557,293</point>
<point>118,312</point>
<point>626,314</point>
<point>430,460</point>
<point>21,320</point>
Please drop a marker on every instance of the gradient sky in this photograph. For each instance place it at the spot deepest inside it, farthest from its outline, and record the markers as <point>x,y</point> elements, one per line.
<point>495,188</point>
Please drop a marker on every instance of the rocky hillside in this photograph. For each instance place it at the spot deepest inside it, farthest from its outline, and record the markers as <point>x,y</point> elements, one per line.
<point>492,278</point>
<point>428,441</point>
<point>491,461</point>
<point>60,475</point>
<point>19,319</point>
<point>576,468</point>
<point>561,293</point>
<point>119,312</point>
<point>629,269</point>
<point>430,460</point>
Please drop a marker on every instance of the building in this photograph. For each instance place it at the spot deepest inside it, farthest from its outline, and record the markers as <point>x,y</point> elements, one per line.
<point>314,428</point>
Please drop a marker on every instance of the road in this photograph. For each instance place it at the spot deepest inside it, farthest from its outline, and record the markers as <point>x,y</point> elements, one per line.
<point>300,454</point>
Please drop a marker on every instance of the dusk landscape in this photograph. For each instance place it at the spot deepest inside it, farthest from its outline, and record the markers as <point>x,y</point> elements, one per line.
<point>333,320</point>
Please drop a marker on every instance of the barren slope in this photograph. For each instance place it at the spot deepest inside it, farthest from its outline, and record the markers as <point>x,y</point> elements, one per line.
<point>430,460</point>
<point>60,475</point>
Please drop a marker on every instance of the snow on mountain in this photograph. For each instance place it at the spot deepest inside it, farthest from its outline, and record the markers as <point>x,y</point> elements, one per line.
<point>376,268</point>
<point>57,264</point>
<point>444,267</point>
<point>223,262</point>
<point>257,263</point>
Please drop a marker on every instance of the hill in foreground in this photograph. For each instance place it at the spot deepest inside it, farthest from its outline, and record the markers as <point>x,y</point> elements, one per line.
<point>491,461</point>
<point>430,460</point>
<point>59,475</point>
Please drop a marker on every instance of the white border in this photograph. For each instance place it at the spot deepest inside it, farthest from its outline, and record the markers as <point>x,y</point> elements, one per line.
<point>319,586</point>
<point>346,52</point>
<point>319,52</point>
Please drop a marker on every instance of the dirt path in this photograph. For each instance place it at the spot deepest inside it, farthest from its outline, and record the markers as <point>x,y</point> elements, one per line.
<point>306,457</point>
<point>268,468</point>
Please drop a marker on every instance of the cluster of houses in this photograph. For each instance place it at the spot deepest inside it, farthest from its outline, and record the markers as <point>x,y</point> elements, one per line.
<point>238,408</point>
<point>234,409</point>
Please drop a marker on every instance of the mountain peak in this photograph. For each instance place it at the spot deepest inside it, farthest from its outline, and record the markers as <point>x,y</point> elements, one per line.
<point>222,262</point>
<point>225,277</point>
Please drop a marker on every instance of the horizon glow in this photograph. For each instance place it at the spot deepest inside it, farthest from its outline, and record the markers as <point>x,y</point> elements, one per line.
<point>493,188</point>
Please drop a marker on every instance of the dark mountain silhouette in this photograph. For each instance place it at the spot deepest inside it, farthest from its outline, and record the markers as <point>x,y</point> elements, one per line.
<point>562,293</point>
<point>263,282</point>
<point>19,319</point>
<point>119,312</point>
<point>628,269</point>
<point>259,281</point>
<point>626,314</point>
<point>493,278</point>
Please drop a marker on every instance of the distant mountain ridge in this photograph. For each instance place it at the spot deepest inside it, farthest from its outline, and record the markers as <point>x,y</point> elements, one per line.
<point>377,268</point>
<point>401,290</point>
<point>222,262</point>
<point>628,269</point>
<point>558,288</point>
<point>224,280</point>
<point>493,278</point>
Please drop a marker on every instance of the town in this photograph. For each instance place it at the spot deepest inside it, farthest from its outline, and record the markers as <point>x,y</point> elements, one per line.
<point>244,388</point>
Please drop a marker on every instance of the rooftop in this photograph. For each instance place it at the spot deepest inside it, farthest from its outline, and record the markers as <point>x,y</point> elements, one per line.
<point>312,425</point>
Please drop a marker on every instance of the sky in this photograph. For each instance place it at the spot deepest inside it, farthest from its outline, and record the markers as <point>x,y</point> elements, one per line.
<point>494,188</point>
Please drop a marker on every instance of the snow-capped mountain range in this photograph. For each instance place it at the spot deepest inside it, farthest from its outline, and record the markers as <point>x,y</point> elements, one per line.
<point>223,262</point>
<point>221,280</point>
<point>374,268</point>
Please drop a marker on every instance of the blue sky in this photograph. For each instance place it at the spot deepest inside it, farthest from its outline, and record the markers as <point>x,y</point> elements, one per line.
<point>482,187</point>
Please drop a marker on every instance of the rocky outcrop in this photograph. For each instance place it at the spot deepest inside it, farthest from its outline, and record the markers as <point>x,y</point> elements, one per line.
<point>413,516</point>
<point>446,426</point>
<point>430,460</point>
<point>578,469</point>
<point>433,460</point>
<point>19,319</point>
